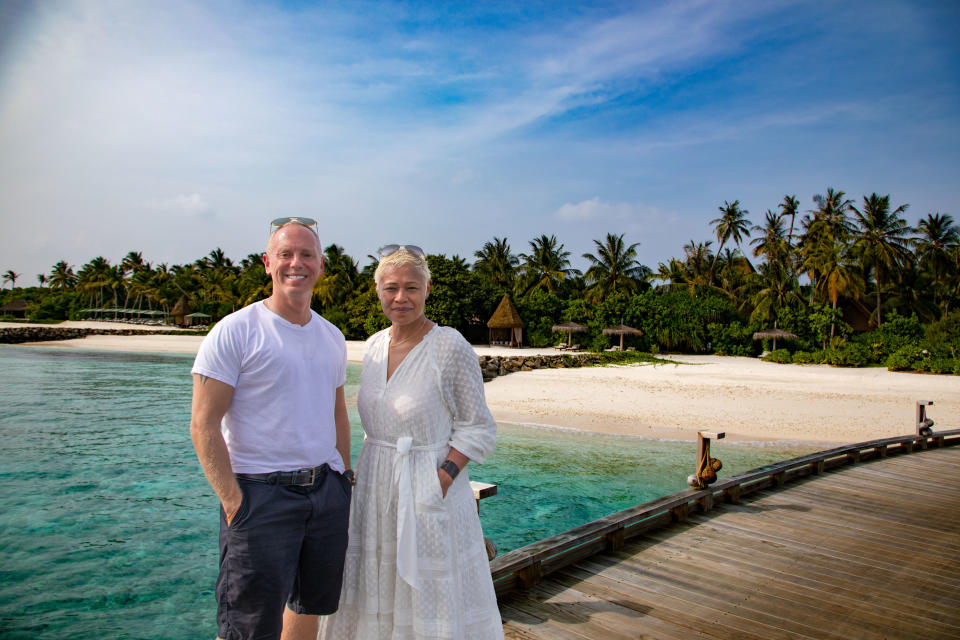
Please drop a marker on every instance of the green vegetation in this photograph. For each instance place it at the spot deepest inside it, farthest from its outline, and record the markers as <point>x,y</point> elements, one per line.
<point>854,283</point>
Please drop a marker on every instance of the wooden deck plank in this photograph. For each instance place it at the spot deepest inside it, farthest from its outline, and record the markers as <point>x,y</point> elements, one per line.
<point>866,551</point>
<point>759,566</point>
<point>753,582</point>
<point>664,604</point>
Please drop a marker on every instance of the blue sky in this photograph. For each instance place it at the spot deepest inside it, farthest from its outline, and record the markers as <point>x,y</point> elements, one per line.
<point>173,127</point>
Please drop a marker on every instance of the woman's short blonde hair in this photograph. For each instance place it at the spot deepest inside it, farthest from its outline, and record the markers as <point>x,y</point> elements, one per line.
<point>402,258</point>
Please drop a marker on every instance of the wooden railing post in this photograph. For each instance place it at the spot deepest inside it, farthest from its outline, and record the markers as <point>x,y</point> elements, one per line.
<point>707,467</point>
<point>483,490</point>
<point>924,424</point>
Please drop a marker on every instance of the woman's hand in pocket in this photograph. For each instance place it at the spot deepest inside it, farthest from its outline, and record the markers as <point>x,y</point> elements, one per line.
<point>445,481</point>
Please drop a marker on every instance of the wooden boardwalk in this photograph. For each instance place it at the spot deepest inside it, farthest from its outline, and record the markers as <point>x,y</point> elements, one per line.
<point>867,551</point>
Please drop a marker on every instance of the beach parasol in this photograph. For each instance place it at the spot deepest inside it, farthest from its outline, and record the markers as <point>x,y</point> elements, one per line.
<point>622,330</point>
<point>570,328</point>
<point>774,333</point>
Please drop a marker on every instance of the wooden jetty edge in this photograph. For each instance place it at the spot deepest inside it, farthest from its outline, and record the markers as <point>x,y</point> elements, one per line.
<point>871,552</point>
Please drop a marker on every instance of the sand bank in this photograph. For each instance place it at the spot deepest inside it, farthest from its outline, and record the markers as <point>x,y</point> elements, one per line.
<point>745,397</point>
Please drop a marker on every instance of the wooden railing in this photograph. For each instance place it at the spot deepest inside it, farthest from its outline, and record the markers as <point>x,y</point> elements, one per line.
<point>525,566</point>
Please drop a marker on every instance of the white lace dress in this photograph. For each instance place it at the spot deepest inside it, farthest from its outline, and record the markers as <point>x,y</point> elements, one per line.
<point>416,564</point>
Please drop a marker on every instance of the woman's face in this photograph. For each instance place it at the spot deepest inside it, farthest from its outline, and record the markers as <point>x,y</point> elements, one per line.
<point>402,294</point>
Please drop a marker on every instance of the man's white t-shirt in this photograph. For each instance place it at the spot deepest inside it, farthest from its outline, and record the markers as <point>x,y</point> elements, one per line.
<point>285,378</point>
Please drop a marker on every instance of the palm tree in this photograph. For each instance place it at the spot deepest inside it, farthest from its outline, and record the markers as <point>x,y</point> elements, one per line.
<point>824,227</point>
<point>882,240</point>
<point>837,274</point>
<point>911,295</point>
<point>615,268</point>
<point>545,267</point>
<point>62,276</point>
<point>732,223</point>
<point>11,277</point>
<point>776,289</point>
<point>93,277</point>
<point>342,272</point>
<point>699,260</point>
<point>771,244</point>
<point>216,260</point>
<point>496,263</point>
<point>789,207</point>
<point>42,279</point>
<point>673,274</point>
<point>938,238</point>
<point>733,275</point>
<point>131,264</point>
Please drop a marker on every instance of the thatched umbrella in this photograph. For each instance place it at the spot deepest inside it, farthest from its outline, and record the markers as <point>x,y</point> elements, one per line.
<point>774,333</point>
<point>622,330</point>
<point>507,317</point>
<point>570,328</point>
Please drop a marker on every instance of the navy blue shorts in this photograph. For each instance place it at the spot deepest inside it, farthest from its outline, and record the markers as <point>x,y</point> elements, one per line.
<point>285,546</point>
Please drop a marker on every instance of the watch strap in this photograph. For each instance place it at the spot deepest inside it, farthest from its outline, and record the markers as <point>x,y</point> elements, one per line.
<point>450,467</point>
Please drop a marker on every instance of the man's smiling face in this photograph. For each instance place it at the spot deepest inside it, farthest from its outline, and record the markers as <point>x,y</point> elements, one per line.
<point>293,260</point>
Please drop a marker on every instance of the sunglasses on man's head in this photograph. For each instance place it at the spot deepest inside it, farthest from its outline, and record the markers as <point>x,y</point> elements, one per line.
<point>390,249</point>
<point>276,223</point>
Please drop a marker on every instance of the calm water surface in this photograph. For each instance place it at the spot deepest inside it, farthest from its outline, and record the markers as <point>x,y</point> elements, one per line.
<point>108,528</point>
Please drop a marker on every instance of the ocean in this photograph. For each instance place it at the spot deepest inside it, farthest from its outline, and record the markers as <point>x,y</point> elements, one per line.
<point>108,528</point>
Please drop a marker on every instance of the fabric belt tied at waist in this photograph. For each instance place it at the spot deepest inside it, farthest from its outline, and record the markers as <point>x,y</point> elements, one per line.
<point>407,557</point>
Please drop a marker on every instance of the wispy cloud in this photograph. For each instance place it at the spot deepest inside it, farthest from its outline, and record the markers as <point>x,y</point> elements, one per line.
<point>191,206</point>
<point>619,117</point>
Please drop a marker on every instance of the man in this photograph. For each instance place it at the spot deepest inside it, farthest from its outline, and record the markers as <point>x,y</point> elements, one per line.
<point>270,428</point>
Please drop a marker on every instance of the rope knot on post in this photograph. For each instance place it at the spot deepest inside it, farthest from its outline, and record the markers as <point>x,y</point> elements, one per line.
<point>707,467</point>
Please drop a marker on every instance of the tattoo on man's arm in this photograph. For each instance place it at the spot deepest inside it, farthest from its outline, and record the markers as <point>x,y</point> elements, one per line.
<point>203,379</point>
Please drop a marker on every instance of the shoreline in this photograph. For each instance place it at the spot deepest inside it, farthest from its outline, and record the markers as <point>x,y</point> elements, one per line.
<point>750,400</point>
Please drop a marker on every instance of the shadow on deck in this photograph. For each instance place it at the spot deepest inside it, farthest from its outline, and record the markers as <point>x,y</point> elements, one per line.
<point>845,550</point>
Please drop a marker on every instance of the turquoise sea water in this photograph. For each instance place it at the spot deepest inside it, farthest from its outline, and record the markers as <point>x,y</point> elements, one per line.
<point>108,528</point>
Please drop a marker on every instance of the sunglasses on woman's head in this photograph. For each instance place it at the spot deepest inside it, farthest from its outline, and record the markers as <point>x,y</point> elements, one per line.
<point>390,249</point>
<point>276,223</point>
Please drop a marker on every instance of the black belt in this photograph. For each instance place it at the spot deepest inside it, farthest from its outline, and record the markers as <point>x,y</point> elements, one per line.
<point>300,477</point>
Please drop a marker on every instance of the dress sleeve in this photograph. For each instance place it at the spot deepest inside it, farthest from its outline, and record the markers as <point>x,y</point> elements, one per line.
<point>474,429</point>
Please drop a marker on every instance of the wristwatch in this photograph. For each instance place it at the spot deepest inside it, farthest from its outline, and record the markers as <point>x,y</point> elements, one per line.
<point>451,468</point>
<point>348,474</point>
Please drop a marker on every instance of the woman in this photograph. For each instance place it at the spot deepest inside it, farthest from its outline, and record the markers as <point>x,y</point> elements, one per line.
<point>416,562</point>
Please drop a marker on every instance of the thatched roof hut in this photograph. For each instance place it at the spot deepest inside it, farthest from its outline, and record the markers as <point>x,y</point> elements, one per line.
<point>16,308</point>
<point>180,311</point>
<point>505,325</point>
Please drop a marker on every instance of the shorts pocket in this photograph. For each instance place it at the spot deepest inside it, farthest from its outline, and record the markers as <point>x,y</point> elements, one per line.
<point>243,510</point>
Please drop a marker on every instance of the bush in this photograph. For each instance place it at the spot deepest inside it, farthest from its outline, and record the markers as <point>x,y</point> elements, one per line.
<point>731,339</point>
<point>51,308</point>
<point>903,358</point>
<point>850,354</point>
<point>942,365</point>
<point>810,357</point>
<point>944,334</point>
<point>780,356</point>
<point>897,332</point>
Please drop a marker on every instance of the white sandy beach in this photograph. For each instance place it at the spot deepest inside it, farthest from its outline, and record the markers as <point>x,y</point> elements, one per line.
<point>744,397</point>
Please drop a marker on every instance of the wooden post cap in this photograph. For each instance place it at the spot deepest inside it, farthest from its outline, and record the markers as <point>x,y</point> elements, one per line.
<point>716,435</point>
<point>483,490</point>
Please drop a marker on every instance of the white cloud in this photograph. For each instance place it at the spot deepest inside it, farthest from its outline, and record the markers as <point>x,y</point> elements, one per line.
<point>191,206</point>
<point>596,209</point>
